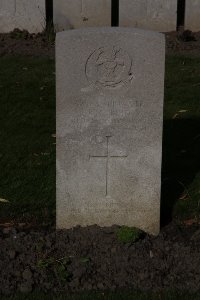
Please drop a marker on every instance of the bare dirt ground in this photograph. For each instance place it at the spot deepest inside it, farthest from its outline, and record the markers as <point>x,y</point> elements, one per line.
<point>186,42</point>
<point>23,43</point>
<point>92,258</point>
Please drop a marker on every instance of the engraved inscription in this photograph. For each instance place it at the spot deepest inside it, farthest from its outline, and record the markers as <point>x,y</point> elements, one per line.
<point>107,157</point>
<point>109,67</point>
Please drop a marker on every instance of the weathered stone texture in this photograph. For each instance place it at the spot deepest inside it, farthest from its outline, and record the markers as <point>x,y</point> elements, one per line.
<point>70,14</point>
<point>158,15</point>
<point>192,15</point>
<point>109,127</point>
<point>27,15</point>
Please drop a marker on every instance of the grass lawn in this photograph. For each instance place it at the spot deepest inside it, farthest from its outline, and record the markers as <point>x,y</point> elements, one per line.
<point>27,135</point>
<point>181,139</point>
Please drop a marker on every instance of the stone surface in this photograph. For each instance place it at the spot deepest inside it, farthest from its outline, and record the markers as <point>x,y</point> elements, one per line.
<point>22,14</point>
<point>192,15</point>
<point>110,84</point>
<point>152,14</point>
<point>70,14</point>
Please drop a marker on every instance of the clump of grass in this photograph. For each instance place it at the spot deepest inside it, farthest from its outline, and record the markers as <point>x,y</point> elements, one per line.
<point>127,234</point>
<point>19,34</point>
<point>49,33</point>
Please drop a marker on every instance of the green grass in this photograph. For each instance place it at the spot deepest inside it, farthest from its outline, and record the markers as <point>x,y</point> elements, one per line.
<point>182,88</point>
<point>123,295</point>
<point>181,138</point>
<point>127,234</point>
<point>27,148</point>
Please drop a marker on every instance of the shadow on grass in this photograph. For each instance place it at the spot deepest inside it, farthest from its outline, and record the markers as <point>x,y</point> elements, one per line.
<point>181,163</point>
<point>27,148</point>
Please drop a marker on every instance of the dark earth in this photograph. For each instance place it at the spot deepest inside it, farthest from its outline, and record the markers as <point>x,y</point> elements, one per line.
<point>23,43</point>
<point>42,44</point>
<point>185,42</point>
<point>93,258</point>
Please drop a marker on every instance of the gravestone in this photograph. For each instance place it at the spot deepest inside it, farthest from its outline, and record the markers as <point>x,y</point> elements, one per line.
<point>22,14</point>
<point>109,127</point>
<point>159,15</point>
<point>192,15</point>
<point>72,14</point>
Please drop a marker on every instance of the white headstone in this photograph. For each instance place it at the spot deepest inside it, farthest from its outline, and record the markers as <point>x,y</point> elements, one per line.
<point>192,15</point>
<point>22,14</point>
<point>70,14</point>
<point>109,127</point>
<point>158,15</point>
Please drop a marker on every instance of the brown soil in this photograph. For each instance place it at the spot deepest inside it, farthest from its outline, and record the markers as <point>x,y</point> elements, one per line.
<point>185,42</point>
<point>22,43</point>
<point>92,258</point>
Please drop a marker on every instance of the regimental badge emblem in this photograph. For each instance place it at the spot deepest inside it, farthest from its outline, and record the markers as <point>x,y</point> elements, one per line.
<point>109,67</point>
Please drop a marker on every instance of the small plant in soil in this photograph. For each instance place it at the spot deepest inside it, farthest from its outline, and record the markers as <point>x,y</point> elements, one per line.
<point>85,260</point>
<point>62,273</point>
<point>19,34</point>
<point>127,234</point>
<point>56,267</point>
<point>45,263</point>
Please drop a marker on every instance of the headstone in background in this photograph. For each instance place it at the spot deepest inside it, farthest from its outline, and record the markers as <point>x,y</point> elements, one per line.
<point>70,14</point>
<point>192,15</point>
<point>110,86</point>
<point>22,14</point>
<point>158,15</point>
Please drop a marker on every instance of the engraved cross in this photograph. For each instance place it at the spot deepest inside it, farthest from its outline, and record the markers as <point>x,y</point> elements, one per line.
<point>107,157</point>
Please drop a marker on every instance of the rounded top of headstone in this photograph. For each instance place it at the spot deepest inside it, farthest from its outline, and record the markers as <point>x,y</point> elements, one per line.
<point>110,30</point>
